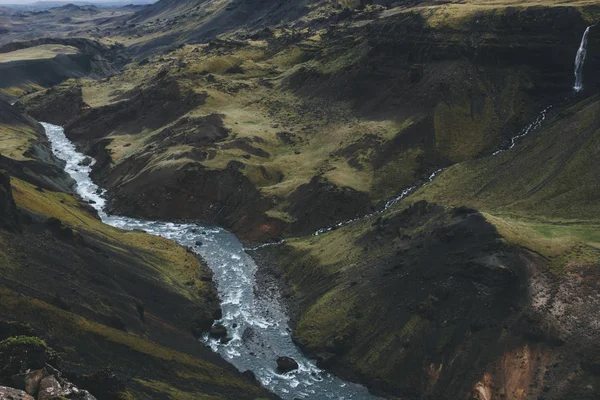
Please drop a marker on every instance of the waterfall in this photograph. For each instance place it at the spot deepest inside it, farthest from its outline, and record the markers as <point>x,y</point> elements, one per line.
<point>580,60</point>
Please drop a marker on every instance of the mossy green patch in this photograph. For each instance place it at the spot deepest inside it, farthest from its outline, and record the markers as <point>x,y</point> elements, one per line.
<point>7,258</point>
<point>445,337</point>
<point>411,327</point>
<point>15,140</point>
<point>22,341</point>
<point>328,317</point>
<point>37,53</point>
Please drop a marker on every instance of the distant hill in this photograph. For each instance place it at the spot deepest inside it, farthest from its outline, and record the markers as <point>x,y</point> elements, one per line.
<point>46,5</point>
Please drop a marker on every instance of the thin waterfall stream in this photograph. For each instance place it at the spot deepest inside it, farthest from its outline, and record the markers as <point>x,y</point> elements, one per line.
<point>257,325</point>
<point>580,60</point>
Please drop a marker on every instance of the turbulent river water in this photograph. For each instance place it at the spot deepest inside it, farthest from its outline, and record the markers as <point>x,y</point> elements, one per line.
<point>257,325</point>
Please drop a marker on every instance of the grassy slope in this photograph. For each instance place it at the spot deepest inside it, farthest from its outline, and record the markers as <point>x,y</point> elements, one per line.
<point>37,53</point>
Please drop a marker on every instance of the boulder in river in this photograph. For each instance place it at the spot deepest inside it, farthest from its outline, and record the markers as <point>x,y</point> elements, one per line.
<point>218,332</point>
<point>286,364</point>
<point>85,162</point>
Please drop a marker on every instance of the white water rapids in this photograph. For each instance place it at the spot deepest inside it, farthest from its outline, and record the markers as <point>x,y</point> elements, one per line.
<point>257,325</point>
<point>580,60</point>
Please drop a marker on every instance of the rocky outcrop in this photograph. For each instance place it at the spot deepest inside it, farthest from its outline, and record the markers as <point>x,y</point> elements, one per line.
<point>27,368</point>
<point>13,394</point>
<point>57,105</point>
<point>224,197</point>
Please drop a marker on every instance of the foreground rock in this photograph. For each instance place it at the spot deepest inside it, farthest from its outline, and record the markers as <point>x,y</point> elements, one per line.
<point>7,393</point>
<point>26,361</point>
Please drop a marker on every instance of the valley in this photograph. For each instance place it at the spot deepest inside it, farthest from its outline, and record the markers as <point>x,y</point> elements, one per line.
<point>410,189</point>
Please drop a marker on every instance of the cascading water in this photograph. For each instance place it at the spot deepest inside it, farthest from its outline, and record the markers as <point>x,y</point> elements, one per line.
<point>257,325</point>
<point>580,60</point>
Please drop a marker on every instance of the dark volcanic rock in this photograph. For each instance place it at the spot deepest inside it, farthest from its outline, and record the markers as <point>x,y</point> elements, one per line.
<point>29,381</point>
<point>250,376</point>
<point>286,364</point>
<point>86,162</point>
<point>224,197</point>
<point>150,107</point>
<point>218,332</point>
<point>197,132</point>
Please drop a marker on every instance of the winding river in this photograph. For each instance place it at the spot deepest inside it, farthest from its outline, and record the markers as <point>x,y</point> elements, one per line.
<point>257,325</point>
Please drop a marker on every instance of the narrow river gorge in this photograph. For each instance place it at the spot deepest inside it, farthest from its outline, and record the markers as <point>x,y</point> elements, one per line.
<point>257,325</point>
